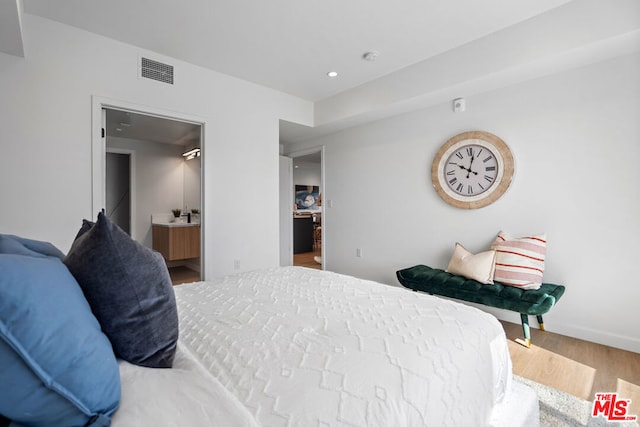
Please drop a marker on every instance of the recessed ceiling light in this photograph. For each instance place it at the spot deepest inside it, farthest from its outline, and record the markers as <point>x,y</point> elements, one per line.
<point>332,74</point>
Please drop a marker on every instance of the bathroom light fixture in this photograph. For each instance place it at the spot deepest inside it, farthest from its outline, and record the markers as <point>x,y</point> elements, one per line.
<point>191,154</point>
<point>332,74</point>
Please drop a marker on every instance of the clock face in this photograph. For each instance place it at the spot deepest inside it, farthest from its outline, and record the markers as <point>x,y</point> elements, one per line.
<point>472,169</point>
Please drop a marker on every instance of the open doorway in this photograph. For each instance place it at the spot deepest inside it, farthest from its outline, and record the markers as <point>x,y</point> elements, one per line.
<point>159,158</point>
<point>307,206</point>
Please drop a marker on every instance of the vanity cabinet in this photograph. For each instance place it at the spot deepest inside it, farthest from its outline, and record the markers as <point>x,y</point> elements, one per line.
<point>176,242</point>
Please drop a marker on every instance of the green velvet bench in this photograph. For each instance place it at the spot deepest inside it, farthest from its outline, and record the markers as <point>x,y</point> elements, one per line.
<point>526,302</point>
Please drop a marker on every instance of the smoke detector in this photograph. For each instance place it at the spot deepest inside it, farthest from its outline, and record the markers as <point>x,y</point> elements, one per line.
<point>370,56</point>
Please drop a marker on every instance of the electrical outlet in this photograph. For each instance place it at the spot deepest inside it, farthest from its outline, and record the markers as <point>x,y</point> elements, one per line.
<point>236,264</point>
<point>359,252</point>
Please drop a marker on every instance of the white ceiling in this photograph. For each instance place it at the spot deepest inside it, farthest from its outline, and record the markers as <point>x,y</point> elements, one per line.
<point>290,45</point>
<point>125,124</point>
<point>430,51</point>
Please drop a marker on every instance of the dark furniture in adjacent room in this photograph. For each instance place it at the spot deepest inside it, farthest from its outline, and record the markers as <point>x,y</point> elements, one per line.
<point>302,234</point>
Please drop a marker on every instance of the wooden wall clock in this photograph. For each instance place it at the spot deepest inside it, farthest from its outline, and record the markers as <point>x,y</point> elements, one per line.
<point>472,169</point>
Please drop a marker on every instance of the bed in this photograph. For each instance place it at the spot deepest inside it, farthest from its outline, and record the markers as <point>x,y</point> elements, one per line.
<point>300,347</point>
<point>100,337</point>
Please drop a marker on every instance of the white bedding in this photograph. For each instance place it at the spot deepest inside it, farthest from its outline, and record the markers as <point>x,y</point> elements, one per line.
<point>186,395</point>
<point>301,347</point>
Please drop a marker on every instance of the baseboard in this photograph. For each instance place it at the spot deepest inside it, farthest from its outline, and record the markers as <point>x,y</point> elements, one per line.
<point>600,337</point>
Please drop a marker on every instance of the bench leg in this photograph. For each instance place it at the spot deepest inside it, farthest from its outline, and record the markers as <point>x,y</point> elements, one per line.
<point>525,329</point>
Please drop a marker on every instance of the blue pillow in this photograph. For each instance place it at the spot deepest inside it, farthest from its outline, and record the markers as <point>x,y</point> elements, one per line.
<point>56,366</point>
<point>129,290</point>
<point>10,244</point>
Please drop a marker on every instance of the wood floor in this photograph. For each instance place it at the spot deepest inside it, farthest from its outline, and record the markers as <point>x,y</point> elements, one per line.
<point>306,259</point>
<point>183,274</point>
<point>578,367</point>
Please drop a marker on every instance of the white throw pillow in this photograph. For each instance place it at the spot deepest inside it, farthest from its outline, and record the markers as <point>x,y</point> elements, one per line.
<point>520,261</point>
<point>479,267</point>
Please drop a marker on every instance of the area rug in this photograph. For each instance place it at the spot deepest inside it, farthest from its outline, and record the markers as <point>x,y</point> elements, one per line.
<point>560,409</point>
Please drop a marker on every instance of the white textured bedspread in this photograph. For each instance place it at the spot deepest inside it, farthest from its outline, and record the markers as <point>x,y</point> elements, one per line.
<point>302,347</point>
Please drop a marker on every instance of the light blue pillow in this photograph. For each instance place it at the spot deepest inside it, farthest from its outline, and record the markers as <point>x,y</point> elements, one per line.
<point>56,366</point>
<point>10,244</point>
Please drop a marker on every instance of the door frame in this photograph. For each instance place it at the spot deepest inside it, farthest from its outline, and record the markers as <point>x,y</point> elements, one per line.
<point>286,200</point>
<point>305,152</point>
<point>99,149</point>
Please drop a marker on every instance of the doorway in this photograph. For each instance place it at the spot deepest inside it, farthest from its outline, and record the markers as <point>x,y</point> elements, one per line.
<point>163,179</point>
<point>308,211</point>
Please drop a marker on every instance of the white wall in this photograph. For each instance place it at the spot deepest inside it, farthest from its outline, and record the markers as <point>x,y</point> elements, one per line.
<point>45,161</point>
<point>307,174</point>
<point>159,181</point>
<point>192,184</point>
<point>576,140</point>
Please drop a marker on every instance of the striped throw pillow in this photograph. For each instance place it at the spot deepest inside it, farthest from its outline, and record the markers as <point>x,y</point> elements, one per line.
<point>520,262</point>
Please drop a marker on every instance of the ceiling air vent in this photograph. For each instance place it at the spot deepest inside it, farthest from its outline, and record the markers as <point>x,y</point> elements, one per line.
<point>155,70</point>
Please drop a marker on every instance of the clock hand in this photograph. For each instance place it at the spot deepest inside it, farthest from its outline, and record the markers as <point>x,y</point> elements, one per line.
<point>468,169</point>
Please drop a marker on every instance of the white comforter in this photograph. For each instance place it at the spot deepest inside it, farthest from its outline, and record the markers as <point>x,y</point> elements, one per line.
<point>301,347</point>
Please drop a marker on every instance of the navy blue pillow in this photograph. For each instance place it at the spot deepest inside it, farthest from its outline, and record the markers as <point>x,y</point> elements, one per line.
<point>129,290</point>
<point>56,366</point>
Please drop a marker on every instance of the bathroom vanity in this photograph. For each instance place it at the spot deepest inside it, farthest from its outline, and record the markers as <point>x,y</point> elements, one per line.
<point>176,240</point>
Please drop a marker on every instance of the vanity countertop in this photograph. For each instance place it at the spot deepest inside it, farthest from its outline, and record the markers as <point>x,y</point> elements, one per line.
<point>176,224</point>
